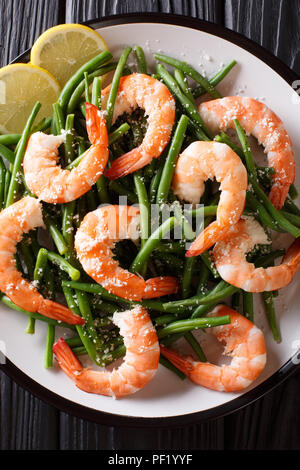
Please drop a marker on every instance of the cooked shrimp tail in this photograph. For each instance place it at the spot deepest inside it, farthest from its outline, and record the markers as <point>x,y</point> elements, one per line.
<point>95,125</point>
<point>160,286</point>
<point>244,342</point>
<point>128,163</point>
<point>210,235</point>
<point>66,359</point>
<point>59,312</point>
<point>140,362</point>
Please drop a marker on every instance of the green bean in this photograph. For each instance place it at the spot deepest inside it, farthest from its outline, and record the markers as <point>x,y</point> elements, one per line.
<point>154,185</point>
<point>293,218</point>
<point>116,134</point>
<point>6,184</point>
<point>13,186</point>
<point>40,265</point>
<point>64,265</point>
<point>271,315</point>
<point>170,163</point>
<point>27,257</point>
<point>74,342</point>
<point>195,345</point>
<point>120,189</point>
<point>85,310</point>
<point>205,211</point>
<point>224,290</point>
<point>59,118</point>
<point>43,125</point>
<point>171,247</point>
<point>152,242</point>
<point>203,279</point>
<point>250,164</point>
<point>114,86</point>
<point>293,193</point>
<point>86,88</point>
<point>79,90</point>
<point>56,235</point>
<point>192,324</point>
<point>50,338</point>
<point>86,340</point>
<point>67,223</point>
<point>35,316</point>
<point>182,82</point>
<point>215,80</point>
<point>2,183</point>
<point>267,260</point>
<point>166,363</point>
<point>72,83</point>
<point>141,60</point>
<point>96,92</point>
<point>261,212</point>
<point>189,267</point>
<point>290,206</point>
<point>10,139</point>
<point>208,261</point>
<point>6,153</point>
<point>189,70</point>
<point>144,207</point>
<point>69,142</point>
<point>248,305</point>
<point>91,200</point>
<point>188,106</point>
<point>172,261</point>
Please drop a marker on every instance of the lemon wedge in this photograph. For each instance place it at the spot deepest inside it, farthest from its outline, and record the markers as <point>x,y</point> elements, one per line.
<point>63,49</point>
<point>21,86</point>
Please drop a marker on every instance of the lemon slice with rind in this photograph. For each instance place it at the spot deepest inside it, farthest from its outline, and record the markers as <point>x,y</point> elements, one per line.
<point>21,86</point>
<point>63,49</point>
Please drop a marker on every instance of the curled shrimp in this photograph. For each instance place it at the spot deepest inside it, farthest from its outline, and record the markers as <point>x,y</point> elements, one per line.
<point>52,184</point>
<point>19,218</point>
<point>230,259</point>
<point>205,160</point>
<point>140,362</point>
<point>260,121</point>
<point>139,90</point>
<point>244,342</point>
<point>94,242</point>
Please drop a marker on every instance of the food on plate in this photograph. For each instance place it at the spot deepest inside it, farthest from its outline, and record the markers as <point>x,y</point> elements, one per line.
<point>125,262</point>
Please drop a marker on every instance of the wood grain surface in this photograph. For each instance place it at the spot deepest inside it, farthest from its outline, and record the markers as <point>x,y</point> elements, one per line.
<point>271,422</point>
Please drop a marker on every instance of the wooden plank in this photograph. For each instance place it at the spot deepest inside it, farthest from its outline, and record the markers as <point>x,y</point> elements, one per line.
<point>274,24</point>
<point>83,10</point>
<point>25,421</point>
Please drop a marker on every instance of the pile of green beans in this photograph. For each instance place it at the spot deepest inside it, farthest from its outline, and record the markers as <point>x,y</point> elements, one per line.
<point>52,264</point>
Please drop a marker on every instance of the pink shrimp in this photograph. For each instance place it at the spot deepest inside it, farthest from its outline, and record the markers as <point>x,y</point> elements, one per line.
<point>232,265</point>
<point>260,121</point>
<point>205,160</point>
<point>19,218</point>
<point>139,90</point>
<point>244,342</point>
<point>49,181</point>
<point>140,362</point>
<point>94,242</point>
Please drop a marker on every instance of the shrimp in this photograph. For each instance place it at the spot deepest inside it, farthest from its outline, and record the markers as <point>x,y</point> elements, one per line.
<point>94,242</point>
<point>244,342</point>
<point>140,362</point>
<point>230,259</point>
<point>19,218</point>
<point>260,121</point>
<point>205,160</point>
<point>139,90</point>
<point>52,184</point>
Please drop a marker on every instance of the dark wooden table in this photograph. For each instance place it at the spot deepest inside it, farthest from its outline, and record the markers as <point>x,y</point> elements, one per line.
<point>271,422</point>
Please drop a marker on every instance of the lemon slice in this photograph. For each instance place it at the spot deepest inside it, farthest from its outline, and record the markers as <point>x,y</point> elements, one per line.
<point>64,48</point>
<point>21,86</point>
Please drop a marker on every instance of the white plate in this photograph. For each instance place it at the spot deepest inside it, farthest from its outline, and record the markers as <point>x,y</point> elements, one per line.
<point>166,395</point>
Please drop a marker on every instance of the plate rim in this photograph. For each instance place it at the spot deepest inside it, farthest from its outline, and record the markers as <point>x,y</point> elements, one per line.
<point>285,371</point>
